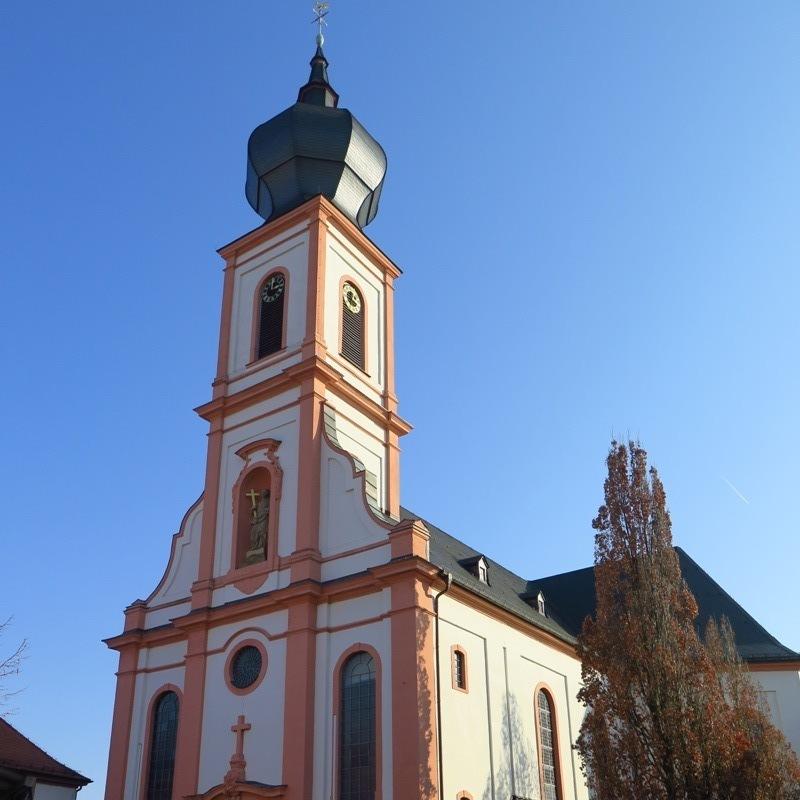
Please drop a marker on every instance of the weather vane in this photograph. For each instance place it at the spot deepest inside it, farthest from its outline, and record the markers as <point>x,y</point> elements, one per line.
<point>320,12</point>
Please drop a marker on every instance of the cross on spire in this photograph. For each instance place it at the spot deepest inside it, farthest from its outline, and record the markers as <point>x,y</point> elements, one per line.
<point>320,12</point>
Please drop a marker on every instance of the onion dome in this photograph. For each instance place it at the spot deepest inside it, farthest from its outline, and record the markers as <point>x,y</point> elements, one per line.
<point>314,147</point>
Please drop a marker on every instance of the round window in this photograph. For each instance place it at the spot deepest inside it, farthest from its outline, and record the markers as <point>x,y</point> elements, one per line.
<point>246,667</point>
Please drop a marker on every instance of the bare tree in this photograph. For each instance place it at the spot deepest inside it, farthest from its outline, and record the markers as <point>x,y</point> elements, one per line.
<point>9,666</point>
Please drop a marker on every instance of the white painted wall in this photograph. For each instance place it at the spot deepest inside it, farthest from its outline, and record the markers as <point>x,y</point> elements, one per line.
<point>360,436</point>
<point>781,691</point>
<point>344,261</point>
<point>345,522</point>
<point>330,646</point>
<point>282,425</point>
<point>289,251</point>
<point>181,570</point>
<point>147,685</point>
<point>47,791</point>
<point>488,734</point>
<point>263,707</point>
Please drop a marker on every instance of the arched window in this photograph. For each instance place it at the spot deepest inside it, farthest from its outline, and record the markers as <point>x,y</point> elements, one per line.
<point>459,668</point>
<point>271,300</point>
<point>548,746</point>
<point>163,738</point>
<point>357,729</point>
<point>353,318</point>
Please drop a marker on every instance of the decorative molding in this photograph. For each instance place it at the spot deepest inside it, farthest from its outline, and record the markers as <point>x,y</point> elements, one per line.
<point>249,577</point>
<point>172,551</point>
<point>240,790</point>
<point>317,208</point>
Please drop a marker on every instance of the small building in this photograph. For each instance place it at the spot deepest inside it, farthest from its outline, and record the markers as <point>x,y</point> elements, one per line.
<point>28,773</point>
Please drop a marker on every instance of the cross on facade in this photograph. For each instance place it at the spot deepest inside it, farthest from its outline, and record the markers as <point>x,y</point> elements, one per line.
<point>253,495</point>
<point>240,728</point>
<point>236,773</point>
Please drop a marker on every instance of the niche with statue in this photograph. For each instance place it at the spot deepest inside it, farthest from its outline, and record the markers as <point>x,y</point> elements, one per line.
<point>256,496</point>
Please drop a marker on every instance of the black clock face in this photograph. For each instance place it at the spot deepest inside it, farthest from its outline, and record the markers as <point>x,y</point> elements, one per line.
<point>273,288</point>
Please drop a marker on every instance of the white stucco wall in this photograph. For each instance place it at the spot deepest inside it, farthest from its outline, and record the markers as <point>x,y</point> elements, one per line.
<point>288,251</point>
<point>269,420</point>
<point>330,647</point>
<point>488,733</point>
<point>342,261</point>
<point>48,791</point>
<point>781,691</point>
<point>181,571</point>
<point>148,684</point>
<point>345,522</point>
<point>262,707</point>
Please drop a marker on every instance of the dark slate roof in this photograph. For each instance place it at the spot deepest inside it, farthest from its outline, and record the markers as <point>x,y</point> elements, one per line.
<point>504,589</point>
<point>20,754</point>
<point>570,596</point>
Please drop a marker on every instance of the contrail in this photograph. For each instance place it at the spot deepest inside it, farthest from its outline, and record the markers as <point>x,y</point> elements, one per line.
<point>738,493</point>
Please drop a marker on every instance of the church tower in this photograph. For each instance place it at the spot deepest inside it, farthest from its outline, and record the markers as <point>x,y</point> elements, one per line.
<point>287,650</point>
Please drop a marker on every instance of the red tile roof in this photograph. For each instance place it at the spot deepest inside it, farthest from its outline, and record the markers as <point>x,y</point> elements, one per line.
<point>19,753</point>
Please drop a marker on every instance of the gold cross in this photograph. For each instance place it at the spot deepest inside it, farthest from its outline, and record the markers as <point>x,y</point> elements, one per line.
<point>253,495</point>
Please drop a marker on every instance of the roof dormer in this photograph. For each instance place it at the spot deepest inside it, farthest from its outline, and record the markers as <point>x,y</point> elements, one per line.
<point>478,566</point>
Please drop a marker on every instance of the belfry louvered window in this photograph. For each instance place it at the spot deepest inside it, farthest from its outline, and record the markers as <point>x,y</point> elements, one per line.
<point>271,301</point>
<point>353,317</point>
<point>357,743</point>
<point>548,753</point>
<point>163,739</point>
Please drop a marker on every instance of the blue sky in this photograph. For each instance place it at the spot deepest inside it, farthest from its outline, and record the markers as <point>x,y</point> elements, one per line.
<point>612,189</point>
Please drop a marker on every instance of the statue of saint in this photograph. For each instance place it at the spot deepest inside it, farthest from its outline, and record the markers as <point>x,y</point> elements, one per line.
<point>259,524</point>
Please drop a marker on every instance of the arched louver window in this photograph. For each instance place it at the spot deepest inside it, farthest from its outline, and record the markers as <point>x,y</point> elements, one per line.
<point>163,738</point>
<point>357,729</point>
<point>353,315</point>
<point>548,753</point>
<point>272,297</point>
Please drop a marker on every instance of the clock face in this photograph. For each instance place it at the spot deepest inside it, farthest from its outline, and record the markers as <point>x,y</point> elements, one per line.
<point>273,288</point>
<point>351,298</point>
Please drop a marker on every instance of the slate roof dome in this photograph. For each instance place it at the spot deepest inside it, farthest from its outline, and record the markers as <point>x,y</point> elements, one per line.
<point>311,148</point>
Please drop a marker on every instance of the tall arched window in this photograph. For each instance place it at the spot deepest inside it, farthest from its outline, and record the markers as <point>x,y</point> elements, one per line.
<point>163,738</point>
<point>271,300</point>
<point>353,319</point>
<point>357,729</point>
<point>548,746</point>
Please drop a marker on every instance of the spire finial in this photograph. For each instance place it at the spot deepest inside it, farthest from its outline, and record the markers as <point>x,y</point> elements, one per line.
<point>320,12</point>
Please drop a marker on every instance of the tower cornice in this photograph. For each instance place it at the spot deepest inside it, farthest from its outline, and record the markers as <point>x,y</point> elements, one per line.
<point>313,368</point>
<point>317,208</point>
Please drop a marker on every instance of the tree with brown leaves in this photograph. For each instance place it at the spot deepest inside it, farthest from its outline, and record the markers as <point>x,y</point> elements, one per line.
<point>669,717</point>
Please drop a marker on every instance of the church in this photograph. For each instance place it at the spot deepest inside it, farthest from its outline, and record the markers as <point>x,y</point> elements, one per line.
<point>311,638</point>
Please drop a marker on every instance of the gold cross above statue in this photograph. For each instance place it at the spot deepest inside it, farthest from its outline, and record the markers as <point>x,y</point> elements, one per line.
<point>253,495</point>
